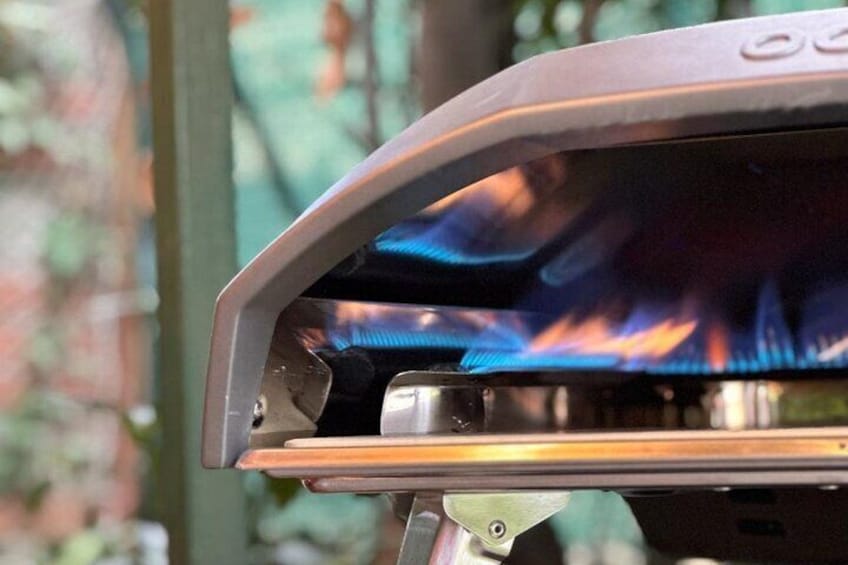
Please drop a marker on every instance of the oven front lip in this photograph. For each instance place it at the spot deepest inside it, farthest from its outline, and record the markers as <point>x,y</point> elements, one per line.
<point>806,91</point>
<point>627,460</point>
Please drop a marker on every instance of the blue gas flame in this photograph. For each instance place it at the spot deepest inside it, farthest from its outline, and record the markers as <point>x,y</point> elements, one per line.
<point>502,341</point>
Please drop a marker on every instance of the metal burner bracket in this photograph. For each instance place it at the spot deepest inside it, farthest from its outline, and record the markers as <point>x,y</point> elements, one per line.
<point>497,517</point>
<point>473,528</point>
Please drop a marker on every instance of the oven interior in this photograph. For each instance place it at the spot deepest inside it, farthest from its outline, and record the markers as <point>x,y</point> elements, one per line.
<point>692,284</point>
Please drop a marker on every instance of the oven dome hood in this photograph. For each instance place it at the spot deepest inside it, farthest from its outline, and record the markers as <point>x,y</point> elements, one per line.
<point>771,86</point>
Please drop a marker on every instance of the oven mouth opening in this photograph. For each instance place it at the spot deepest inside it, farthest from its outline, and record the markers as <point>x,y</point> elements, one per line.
<point>711,270</point>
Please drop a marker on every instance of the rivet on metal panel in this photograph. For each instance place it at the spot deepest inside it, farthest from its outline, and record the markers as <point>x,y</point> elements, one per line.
<point>497,529</point>
<point>773,45</point>
<point>259,411</point>
<point>833,39</point>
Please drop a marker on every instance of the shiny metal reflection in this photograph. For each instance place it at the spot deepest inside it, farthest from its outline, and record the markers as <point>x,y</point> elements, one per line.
<point>427,402</point>
<point>595,460</point>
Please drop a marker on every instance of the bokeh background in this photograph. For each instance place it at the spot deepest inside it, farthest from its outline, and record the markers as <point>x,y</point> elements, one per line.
<point>318,84</point>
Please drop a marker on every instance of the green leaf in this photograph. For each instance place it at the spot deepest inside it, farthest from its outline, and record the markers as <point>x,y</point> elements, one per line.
<point>81,549</point>
<point>142,424</point>
<point>14,135</point>
<point>45,350</point>
<point>10,98</point>
<point>35,495</point>
<point>71,243</point>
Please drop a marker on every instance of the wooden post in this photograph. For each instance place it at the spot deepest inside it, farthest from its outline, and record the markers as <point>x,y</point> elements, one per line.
<point>204,511</point>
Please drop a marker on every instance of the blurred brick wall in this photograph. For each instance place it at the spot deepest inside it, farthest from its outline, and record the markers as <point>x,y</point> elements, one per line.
<point>96,315</point>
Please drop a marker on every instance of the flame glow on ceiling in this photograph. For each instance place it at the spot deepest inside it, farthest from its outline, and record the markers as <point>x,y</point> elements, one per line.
<point>503,218</point>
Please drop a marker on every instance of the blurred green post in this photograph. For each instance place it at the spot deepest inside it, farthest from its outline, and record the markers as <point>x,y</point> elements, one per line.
<point>204,511</point>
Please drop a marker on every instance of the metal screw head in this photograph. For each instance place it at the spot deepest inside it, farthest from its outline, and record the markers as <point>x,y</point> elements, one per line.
<point>497,529</point>
<point>259,411</point>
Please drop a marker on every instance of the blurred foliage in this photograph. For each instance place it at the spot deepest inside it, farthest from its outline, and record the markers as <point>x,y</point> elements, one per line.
<point>314,529</point>
<point>290,143</point>
<point>41,449</point>
<point>127,543</point>
<point>36,421</point>
<point>290,525</point>
<point>25,121</point>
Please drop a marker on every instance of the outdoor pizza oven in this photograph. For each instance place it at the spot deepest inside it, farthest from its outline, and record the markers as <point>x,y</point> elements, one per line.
<point>622,266</point>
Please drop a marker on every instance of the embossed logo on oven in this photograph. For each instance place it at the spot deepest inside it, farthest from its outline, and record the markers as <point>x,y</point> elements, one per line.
<point>783,43</point>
